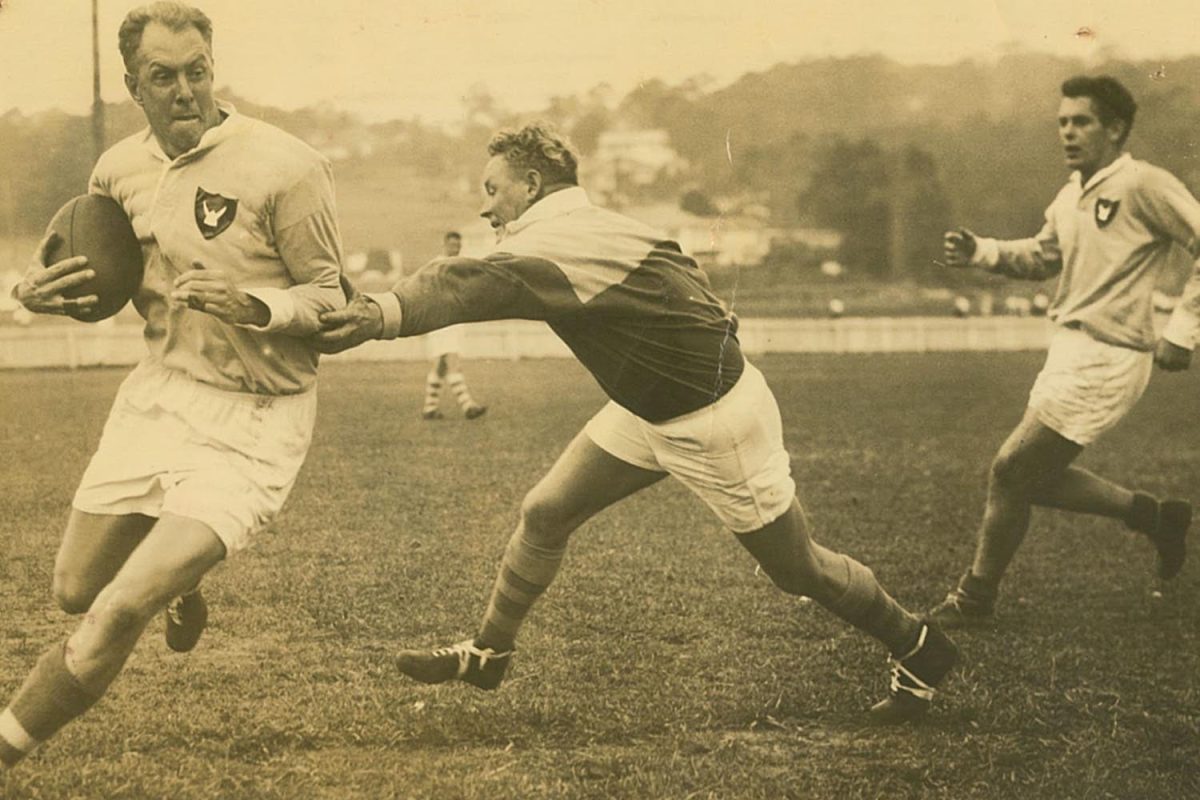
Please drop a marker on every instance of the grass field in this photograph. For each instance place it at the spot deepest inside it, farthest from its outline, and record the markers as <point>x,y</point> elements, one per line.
<point>659,665</point>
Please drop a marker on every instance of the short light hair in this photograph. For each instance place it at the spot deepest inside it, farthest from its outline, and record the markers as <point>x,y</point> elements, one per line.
<point>1109,97</point>
<point>540,147</point>
<point>174,15</point>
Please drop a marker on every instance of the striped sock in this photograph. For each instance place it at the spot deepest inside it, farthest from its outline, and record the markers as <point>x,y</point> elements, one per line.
<point>866,606</point>
<point>526,571</point>
<point>433,392</point>
<point>458,385</point>
<point>50,698</point>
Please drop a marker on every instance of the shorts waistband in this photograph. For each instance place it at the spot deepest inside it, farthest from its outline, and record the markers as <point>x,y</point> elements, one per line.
<point>1078,328</point>
<point>154,370</point>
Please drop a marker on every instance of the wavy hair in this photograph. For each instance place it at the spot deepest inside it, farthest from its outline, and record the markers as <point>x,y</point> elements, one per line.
<point>1109,97</point>
<point>174,15</point>
<point>540,147</point>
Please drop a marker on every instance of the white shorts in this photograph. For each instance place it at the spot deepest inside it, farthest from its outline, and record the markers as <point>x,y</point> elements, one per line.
<point>730,453</point>
<point>442,341</point>
<point>1087,386</point>
<point>172,444</point>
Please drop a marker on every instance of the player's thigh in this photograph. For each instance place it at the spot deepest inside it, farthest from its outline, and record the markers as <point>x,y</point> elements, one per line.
<point>170,560</point>
<point>1034,453</point>
<point>93,550</point>
<point>731,454</point>
<point>583,481</point>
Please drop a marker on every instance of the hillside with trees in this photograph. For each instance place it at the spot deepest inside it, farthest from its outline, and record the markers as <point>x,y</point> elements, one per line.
<point>886,154</point>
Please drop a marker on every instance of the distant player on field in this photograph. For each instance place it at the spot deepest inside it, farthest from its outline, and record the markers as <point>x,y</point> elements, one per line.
<point>442,347</point>
<point>207,434</point>
<point>639,315</point>
<point>1107,234</point>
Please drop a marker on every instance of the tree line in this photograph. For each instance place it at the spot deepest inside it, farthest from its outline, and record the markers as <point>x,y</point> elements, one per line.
<point>887,154</point>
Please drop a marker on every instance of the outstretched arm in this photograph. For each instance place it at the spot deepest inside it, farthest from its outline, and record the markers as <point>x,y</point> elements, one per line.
<point>1035,259</point>
<point>445,292</point>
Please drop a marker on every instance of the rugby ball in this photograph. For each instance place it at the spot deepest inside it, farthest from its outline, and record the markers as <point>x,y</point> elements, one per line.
<point>97,227</point>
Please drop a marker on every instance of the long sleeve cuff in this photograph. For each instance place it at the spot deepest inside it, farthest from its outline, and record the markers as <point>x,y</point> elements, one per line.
<point>389,306</point>
<point>1181,328</point>
<point>987,253</point>
<point>280,303</point>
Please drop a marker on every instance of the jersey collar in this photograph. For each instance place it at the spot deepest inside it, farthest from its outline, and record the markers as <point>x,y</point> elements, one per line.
<point>211,138</point>
<point>555,204</point>
<point>1102,174</point>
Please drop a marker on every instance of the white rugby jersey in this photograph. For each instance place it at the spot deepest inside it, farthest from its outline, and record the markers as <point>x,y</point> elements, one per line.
<point>1109,239</point>
<point>254,202</point>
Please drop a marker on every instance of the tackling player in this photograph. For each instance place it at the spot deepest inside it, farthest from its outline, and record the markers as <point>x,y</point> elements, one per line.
<point>1107,234</point>
<point>207,434</point>
<point>639,315</point>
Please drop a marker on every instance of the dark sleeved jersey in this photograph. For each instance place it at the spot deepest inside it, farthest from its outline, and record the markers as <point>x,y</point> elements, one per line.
<point>637,312</point>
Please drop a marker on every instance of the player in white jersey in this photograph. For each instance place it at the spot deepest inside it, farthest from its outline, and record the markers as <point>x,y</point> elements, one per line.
<point>1108,235</point>
<point>442,348</point>
<point>207,434</point>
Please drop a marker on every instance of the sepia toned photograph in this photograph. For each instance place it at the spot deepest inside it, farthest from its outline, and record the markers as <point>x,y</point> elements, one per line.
<point>599,400</point>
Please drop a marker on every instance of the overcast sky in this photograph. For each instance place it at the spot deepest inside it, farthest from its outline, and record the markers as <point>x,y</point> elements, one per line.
<point>405,58</point>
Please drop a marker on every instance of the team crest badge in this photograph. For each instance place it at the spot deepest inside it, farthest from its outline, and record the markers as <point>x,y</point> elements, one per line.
<point>214,213</point>
<point>1105,211</point>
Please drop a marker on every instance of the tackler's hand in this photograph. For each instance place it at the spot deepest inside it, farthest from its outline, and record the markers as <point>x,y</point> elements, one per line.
<point>349,327</point>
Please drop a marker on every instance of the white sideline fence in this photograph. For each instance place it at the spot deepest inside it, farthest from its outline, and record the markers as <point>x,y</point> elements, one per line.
<point>81,345</point>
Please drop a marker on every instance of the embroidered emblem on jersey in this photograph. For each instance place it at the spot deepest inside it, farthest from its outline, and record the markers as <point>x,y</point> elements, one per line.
<point>214,213</point>
<point>1105,211</point>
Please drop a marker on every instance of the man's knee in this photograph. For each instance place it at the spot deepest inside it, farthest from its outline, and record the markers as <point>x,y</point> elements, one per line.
<point>787,554</point>
<point>74,593</point>
<point>1022,477</point>
<point>545,518</point>
<point>1010,472</point>
<point>1033,459</point>
<point>798,570</point>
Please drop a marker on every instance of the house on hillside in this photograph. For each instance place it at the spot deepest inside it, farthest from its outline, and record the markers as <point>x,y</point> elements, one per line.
<point>727,240</point>
<point>626,160</point>
<point>716,242</point>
